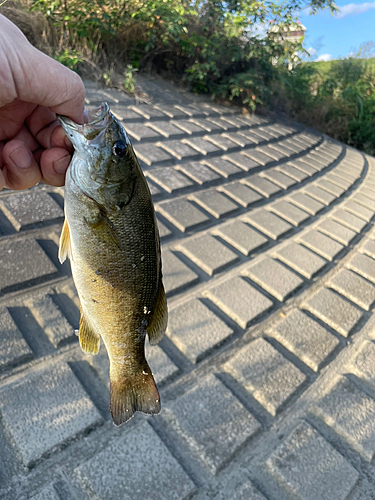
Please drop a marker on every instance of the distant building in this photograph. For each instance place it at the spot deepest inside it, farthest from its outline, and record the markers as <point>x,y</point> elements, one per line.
<point>292,33</point>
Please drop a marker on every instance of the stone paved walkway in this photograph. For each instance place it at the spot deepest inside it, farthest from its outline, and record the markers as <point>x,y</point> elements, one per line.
<point>267,371</point>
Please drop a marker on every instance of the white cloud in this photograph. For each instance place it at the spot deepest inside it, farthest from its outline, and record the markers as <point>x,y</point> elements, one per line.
<point>313,52</point>
<point>354,8</point>
<point>324,57</point>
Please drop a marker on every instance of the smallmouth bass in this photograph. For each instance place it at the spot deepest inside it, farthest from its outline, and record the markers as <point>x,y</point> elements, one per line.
<point>111,236</point>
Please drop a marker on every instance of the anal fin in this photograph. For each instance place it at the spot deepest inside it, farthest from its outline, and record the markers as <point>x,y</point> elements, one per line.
<point>159,320</point>
<point>88,340</point>
<point>64,248</point>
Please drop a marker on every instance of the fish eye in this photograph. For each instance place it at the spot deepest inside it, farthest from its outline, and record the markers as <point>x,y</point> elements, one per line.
<point>119,148</point>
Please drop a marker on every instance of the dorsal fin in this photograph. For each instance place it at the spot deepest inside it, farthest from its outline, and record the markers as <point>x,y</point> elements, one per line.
<point>159,320</point>
<point>65,248</point>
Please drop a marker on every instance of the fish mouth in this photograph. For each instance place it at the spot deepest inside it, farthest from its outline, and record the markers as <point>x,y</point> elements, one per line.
<point>96,121</point>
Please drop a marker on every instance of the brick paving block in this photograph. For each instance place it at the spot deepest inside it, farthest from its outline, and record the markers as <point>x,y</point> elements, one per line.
<point>241,138</point>
<point>191,110</point>
<point>345,184</point>
<point>293,145</point>
<point>147,111</point>
<point>363,265</point>
<point>273,153</point>
<point>164,231</point>
<point>118,471</point>
<point>321,244</point>
<point>250,135</point>
<point>198,172</point>
<point>201,145</point>
<point>47,493</point>
<point>349,220</point>
<point>344,174</point>
<point>258,156</point>
<point>262,185</point>
<point>355,288</point>
<point>223,167</point>
<point>161,365</point>
<point>151,154</point>
<point>241,236</point>
<point>215,203</point>
<point>239,300</point>
<point>330,187</point>
<point>212,422</point>
<point>306,203</point>
<point>334,310</point>
<point>167,129</point>
<point>368,192</point>
<point>196,330</point>
<point>318,161</point>
<point>179,149</point>
<point>264,134</point>
<point>284,149</point>
<point>13,347</point>
<point>153,189</point>
<point>307,467</point>
<point>368,248</point>
<point>336,231</point>
<point>176,274</point>
<point>169,179</point>
<point>363,364</point>
<point>244,492</point>
<point>278,178</point>
<point>183,214</point>
<point>233,120</point>
<point>207,125</point>
<point>241,161</point>
<point>221,123</point>
<point>320,195</point>
<point>268,223</point>
<point>190,127</point>
<point>22,263</point>
<point>351,413</point>
<point>51,319</point>
<point>241,193</point>
<point>365,202</point>
<point>274,277</point>
<point>208,253</point>
<point>27,209</point>
<point>289,212</point>
<point>44,408</point>
<point>266,374</point>
<point>305,338</point>
<point>303,166</point>
<point>293,172</point>
<point>223,142</point>
<point>301,259</point>
<point>140,132</point>
<point>170,110</point>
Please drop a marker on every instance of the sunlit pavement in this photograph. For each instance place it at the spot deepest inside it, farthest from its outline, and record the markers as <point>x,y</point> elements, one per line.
<point>267,370</point>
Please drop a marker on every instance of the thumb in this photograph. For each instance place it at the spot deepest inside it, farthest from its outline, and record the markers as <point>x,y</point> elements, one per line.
<point>32,76</point>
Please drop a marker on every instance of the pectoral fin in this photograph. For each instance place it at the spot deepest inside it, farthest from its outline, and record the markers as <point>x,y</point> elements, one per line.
<point>104,227</point>
<point>89,340</point>
<point>159,320</point>
<point>65,248</point>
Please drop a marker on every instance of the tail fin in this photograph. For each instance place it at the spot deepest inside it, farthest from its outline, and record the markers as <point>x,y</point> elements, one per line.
<point>137,392</point>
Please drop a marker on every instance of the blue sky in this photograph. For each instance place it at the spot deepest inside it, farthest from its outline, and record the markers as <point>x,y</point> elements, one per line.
<point>341,33</point>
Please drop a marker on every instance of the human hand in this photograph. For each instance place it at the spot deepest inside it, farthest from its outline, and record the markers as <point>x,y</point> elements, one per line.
<point>33,146</point>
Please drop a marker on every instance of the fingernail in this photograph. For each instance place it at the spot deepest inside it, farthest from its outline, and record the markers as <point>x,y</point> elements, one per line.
<point>61,165</point>
<point>21,157</point>
<point>68,143</point>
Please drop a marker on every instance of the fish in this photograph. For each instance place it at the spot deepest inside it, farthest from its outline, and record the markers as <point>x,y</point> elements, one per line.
<point>111,237</point>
